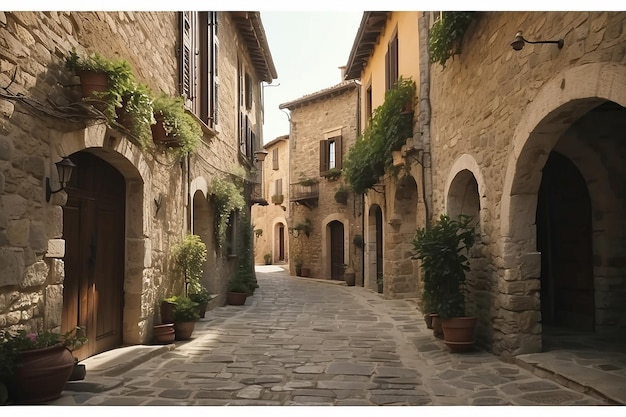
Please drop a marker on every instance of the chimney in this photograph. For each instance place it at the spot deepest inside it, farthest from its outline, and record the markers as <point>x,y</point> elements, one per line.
<point>343,72</point>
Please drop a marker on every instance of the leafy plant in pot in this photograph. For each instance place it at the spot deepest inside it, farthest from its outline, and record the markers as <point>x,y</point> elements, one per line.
<point>185,317</point>
<point>189,257</point>
<point>175,127</point>
<point>237,292</point>
<point>442,249</point>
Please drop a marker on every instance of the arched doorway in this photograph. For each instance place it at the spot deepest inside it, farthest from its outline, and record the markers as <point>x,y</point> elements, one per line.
<point>94,233</point>
<point>337,256</point>
<point>202,226</point>
<point>564,240</point>
<point>280,252</point>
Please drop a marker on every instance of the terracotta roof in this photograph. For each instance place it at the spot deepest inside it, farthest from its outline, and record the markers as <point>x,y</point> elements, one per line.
<point>372,23</point>
<point>319,95</point>
<point>275,141</point>
<point>251,28</point>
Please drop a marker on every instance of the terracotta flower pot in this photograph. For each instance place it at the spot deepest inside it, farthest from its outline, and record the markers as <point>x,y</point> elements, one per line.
<point>164,333</point>
<point>91,81</point>
<point>236,298</point>
<point>41,375</point>
<point>167,312</point>
<point>437,328</point>
<point>459,333</point>
<point>350,278</point>
<point>184,329</point>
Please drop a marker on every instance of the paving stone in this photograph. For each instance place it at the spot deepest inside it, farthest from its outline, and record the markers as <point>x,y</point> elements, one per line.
<point>178,394</point>
<point>308,400</point>
<point>314,392</point>
<point>551,397</point>
<point>250,392</point>
<point>310,369</point>
<point>347,368</point>
<point>204,394</point>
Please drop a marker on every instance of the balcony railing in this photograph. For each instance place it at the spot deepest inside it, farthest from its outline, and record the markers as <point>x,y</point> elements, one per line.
<point>304,194</point>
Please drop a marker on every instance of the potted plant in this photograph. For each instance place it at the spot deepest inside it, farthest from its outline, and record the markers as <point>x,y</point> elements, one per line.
<point>332,174</point>
<point>185,317</point>
<point>341,195</point>
<point>34,367</point>
<point>136,114</point>
<point>201,297</point>
<point>189,257</point>
<point>164,333</point>
<point>278,199</point>
<point>175,127</point>
<point>442,249</point>
<point>167,309</point>
<point>237,292</point>
<point>268,258</point>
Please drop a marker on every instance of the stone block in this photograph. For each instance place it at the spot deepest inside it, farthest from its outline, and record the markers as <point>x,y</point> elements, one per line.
<point>54,224</point>
<point>56,274</point>
<point>6,147</point>
<point>12,266</point>
<point>56,248</point>
<point>519,302</point>
<point>530,265</point>
<point>38,239</point>
<point>35,275</point>
<point>53,310</point>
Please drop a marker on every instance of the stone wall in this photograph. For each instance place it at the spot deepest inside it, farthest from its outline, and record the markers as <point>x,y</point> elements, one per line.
<point>497,113</point>
<point>35,131</point>
<point>268,218</point>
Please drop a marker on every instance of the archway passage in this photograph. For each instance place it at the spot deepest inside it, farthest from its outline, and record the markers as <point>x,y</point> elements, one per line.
<point>564,240</point>
<point>281,242</point>
<point>337,257</point>
<point>375,247</point>
<point>93,229</point>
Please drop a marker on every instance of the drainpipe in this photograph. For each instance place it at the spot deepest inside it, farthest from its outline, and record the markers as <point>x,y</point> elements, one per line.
<point>425,113</point>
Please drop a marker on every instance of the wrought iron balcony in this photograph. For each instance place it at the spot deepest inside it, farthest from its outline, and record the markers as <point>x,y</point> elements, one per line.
<point>305,194</point>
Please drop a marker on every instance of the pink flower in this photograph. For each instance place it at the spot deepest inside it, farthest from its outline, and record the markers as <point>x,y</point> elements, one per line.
<point>32,337</point>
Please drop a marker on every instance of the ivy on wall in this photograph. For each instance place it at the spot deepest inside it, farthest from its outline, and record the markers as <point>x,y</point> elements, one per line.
<point>446,34</point>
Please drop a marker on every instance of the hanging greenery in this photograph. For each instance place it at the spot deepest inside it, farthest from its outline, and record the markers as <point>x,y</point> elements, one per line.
<point>446,34</point>
<point>228,197</point>
<point>387,131</point>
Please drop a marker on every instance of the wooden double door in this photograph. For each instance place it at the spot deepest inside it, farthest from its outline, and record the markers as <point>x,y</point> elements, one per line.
<point>93,229</point>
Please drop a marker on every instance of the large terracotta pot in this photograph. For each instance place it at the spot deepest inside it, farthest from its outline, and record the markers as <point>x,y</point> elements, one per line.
<point>350,278</point>
<point>40,375</point>
<point>184,329</point>
<point>164,333</point>
<point>459,333</point>
<point>167,312</point>
<point>236,298</point>
<point>91,81</point>
<point>437,327</point>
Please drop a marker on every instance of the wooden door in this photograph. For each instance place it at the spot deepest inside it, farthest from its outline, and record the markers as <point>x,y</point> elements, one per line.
<point>281,243</point>
<point>564,240</point>
<point>93,228</point>
<point>336,250</point>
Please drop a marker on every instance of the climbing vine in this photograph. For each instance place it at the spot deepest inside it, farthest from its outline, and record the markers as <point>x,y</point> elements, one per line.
<point>444,39</point>
<point>388,129</point>
<point>228,197</point>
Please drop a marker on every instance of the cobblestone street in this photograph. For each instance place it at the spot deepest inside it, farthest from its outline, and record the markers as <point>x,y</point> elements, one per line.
<point>303,342</point>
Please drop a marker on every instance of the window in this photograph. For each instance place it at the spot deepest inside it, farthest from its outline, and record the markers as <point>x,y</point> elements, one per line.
<point>391,63</point>
<point>278,186</point>
<point>199,65</point>
<point>248,89</point>
<point>275,159</point>
<point>330,154</point>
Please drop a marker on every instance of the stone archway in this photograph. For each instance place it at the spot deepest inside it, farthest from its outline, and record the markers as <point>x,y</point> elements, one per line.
<point>330,241</point>
<point>559,106</point>
<point>128,161</point>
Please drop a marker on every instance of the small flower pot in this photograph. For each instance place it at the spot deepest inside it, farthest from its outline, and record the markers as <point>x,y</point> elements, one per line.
<point>236,298</point>
<point>92,81</point>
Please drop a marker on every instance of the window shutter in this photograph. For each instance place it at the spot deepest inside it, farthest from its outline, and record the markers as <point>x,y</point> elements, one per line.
<point>387,69</point>
<point>393,52</point>
<point>338,152</point>
<point>242,134</point>
<point>279,186</point>
<point>186,59</point>
<point>275,158</point>
<point>248,90</point>
<point>323,156</point>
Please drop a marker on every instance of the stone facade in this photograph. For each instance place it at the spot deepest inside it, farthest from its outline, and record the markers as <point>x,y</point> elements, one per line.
<point>489,123</point>
<point>321,116</point>
<point>270,222</point>
<point>38,127</point>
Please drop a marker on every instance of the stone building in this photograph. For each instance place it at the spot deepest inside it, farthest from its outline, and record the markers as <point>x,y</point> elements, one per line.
<point>527,140</point>
<point>270,221</point>
<point>97,254</point>
<point>322,223</point>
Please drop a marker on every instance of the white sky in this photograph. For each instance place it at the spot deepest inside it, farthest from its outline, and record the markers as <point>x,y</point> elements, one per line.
<point>307,48</point>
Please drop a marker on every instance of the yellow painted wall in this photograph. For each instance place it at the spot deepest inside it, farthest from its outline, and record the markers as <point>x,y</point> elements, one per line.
<point>408,56</point>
